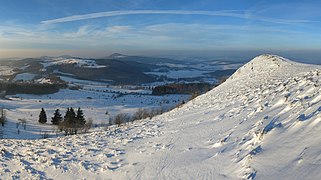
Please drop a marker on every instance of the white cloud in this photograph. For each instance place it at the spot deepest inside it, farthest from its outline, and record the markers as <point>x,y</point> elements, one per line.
<point>234,14</point>
<point>81,32</point>
<point>16,31</point>
<point>170,36</point>
<point>118,29</point>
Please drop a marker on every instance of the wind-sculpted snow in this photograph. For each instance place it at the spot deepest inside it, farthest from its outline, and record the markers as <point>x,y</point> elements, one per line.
<point>262,123</point>
<point>73,157</point>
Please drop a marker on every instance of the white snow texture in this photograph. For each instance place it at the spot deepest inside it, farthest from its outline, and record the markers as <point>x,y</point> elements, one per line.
<point>262,123</point>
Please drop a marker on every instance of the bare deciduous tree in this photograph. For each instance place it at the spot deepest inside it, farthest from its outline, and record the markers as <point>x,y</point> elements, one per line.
<point>121,118</point>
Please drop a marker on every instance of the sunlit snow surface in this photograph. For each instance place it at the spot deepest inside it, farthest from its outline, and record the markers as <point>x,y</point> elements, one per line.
<point>75,61</point>
<point>262,123</point>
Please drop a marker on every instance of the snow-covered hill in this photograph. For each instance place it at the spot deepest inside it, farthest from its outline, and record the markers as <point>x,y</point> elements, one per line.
<point>262,123</point>
<point>79,62</point>
<point>115,69</point>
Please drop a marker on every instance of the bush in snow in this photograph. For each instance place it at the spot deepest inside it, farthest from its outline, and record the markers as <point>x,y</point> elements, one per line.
<point>121,118</point>
<point>88,125</point>
<point>145,113</point>
<point>155,112</point>
<point>141,114</point>
<point>194,95</point>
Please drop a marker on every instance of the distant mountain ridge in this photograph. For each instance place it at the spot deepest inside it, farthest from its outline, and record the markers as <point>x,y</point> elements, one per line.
<point>116,69</point>
<point>109,70</point>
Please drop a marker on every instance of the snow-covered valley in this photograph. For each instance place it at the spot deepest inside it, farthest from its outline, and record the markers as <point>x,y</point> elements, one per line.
<point>262,123</point>
<point>99,101</point>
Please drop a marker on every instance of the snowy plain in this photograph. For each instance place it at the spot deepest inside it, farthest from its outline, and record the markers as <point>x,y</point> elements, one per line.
<point>94,98</point>
<point>262,123</point>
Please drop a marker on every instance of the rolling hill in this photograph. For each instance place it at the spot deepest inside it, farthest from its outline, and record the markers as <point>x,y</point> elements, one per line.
<point>116,69</point>
<point>262,123</point>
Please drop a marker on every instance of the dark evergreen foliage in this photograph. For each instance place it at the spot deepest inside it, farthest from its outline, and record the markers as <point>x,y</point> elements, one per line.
<point>80,118</point>
<point>29,88</point>
<point>73,122</point>
<point>182,88</point>
<point>42,116</point>
<point>70,116</point>
<point>57,118</point>
<point>2,117</point>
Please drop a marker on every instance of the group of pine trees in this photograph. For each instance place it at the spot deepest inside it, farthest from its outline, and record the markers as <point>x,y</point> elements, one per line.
<point>71,123</point>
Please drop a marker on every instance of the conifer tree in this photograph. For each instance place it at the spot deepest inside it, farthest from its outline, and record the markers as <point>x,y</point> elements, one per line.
<point>2,117</point>
<point>56,119</point>
<point>69,123</point>
<point>66,114</point>
<point>42,116</point>
<point>81,121</point>
<point>70,116</point>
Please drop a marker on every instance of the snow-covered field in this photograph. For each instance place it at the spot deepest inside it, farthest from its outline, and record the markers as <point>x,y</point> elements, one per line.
<point>94,98</point>
<point>180,73</point>
<point>195,70</point>
<point>262,123</point>
<point>6,71</point>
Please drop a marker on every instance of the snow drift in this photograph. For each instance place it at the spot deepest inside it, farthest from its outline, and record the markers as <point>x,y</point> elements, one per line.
<point>262,123</point>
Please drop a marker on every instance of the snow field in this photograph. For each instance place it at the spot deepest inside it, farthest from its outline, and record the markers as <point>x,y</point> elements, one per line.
<point>262,123</point>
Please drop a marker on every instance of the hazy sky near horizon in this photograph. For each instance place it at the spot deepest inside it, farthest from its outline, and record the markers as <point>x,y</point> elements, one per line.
<point>99,27</point>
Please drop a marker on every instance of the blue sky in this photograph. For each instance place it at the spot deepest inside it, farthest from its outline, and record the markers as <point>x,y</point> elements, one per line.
<point>153,27</point>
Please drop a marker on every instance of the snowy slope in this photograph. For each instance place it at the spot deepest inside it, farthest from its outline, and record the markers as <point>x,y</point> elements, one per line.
<point>262,123</point>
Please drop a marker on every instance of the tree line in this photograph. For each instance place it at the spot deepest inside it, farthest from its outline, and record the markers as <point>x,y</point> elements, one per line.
<point>189,88</point>
<point>12,88</point>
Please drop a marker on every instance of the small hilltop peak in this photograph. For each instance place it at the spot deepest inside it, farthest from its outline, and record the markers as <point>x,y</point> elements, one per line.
<point>266,65</point>
<point>117,55</point>
<point>270,58</point>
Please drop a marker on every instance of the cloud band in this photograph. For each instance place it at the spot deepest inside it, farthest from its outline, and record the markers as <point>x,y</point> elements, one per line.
<point>233,14</point>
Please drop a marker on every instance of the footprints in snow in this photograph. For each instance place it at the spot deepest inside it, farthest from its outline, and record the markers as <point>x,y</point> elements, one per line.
<point>95,152</point>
